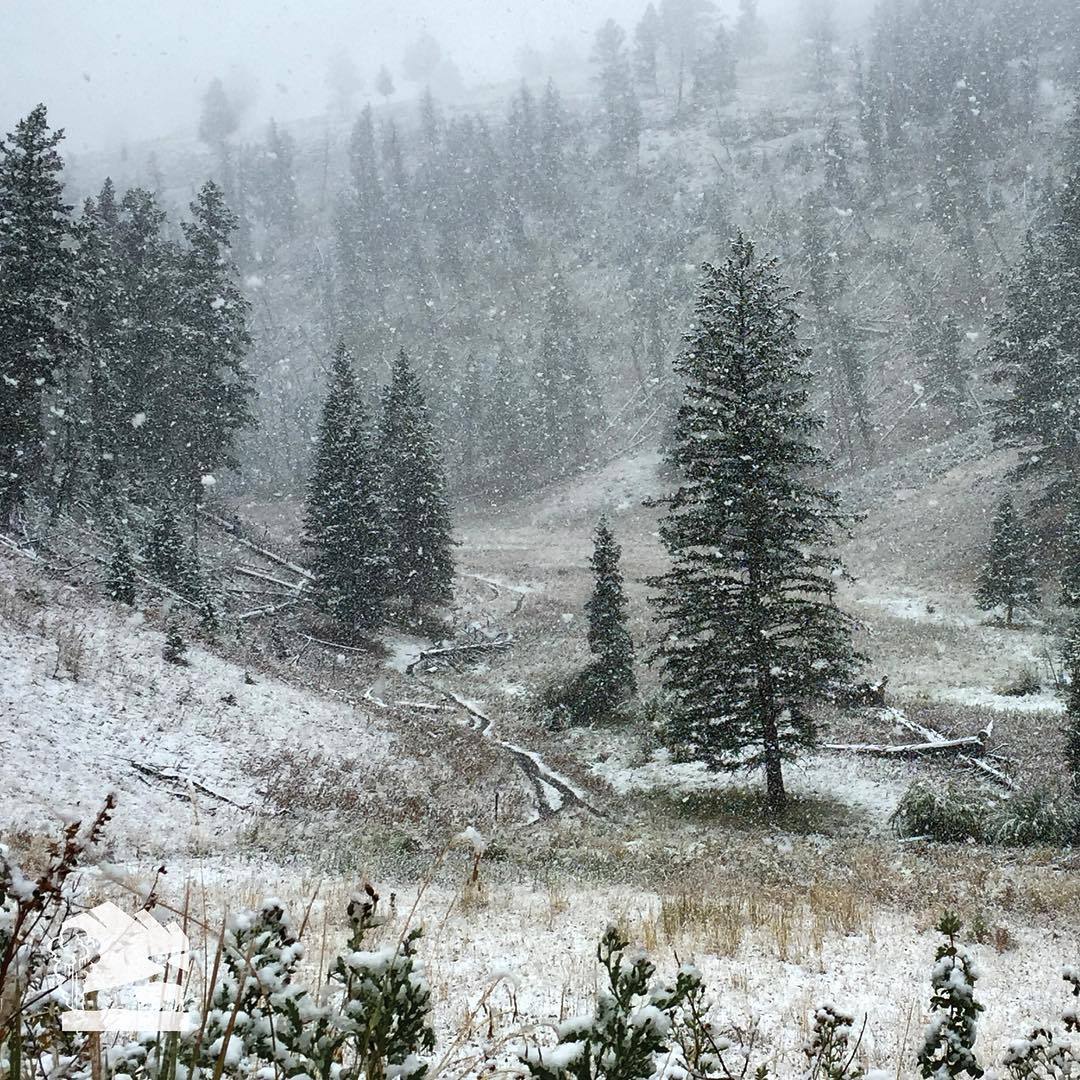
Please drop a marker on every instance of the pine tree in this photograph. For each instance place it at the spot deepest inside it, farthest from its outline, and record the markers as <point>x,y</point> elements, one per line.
<point>714,68</point>
<point>569,404</point>
<point>35,271</point>
<point>414,494</point>
<point>1072,709</point>
<point>384,83</point>
<point>1070,555</point>
<point>280,205</point>
<point>622,112</point>
<point>120,583</point>
<point>216,385</point>
<point>838,183</point>
<point>821,41</point>
<point>755,635</point>
<point>749,30</point>
<point>344,522</point>
<point>506,428</point>
<point>1008,578</point>
<point>948,1049</point>
<point>646,47</point>
<point>218,119</point>
<point>609,639</point>
<point>167,557</point>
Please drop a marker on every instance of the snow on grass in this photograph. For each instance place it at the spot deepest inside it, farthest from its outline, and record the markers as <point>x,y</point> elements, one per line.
<point>872,787</point>
<point>175,742</point>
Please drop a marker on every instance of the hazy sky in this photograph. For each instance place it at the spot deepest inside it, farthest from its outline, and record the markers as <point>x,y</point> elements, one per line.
<point>111,70</point>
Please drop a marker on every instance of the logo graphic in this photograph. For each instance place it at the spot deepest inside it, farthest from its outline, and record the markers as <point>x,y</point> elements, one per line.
<point>137,963</point>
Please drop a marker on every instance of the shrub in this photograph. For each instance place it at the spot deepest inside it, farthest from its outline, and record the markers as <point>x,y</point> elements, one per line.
<point>585,698</point>
<point>1022,683</point>
<point>941,812</point>
<point>1034,817</point>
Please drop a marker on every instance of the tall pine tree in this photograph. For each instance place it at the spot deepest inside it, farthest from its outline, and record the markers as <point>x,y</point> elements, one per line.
<point>609,638</point>
<point>1008,578</point>
<point>414,494</point>
<point>755,635</point>
<point>343,523</point>
<point>35,271</point>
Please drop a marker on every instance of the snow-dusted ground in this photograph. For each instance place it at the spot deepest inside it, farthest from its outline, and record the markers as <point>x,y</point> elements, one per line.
<point>174,742</point>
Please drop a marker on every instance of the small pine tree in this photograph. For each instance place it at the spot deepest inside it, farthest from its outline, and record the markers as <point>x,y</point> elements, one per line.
<point>175,647</point>
<point>120,583</point>
<point>948,1046</point>
<point>1008,578</point>
<point>414,494</point>
<point>167,557</point>
<point>609,638</point>
<point>1070,556</point>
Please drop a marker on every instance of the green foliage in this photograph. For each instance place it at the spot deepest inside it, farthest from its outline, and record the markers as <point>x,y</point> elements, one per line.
<point>942,812</point>
<point>120,582</point>
<point>175,646</point>
<point>630,1027</point>
<point>1033,817</point>
<point>1008,578</point>
<point>948,1045</point>
<point>754,633</point>
<point>612,671</point>
<point>831,1051</point>
<point>344,522</point>
<point>1072,711</point>
<point>35,271</point>
<point>582,699</point>
<point>413,489</point>
<point>169,559</point>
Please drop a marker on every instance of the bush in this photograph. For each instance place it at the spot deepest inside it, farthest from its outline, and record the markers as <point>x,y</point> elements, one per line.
<point>941,812</point>
<point>585,698</point>
<point>1035,817</point>
<point>1023,683</point>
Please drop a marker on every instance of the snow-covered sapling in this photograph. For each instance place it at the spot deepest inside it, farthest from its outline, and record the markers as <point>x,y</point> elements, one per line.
<point>948,1048</point>
<point>831,1051</point>
<point>1008,578</point>
<point>120,583</point>
<point>631,1026</point>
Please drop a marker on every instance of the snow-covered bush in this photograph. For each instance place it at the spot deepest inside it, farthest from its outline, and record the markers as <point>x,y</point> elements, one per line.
<point>577,701</point>
<point>940,812</point>
<point>1034,817</point>
<point>831,1051</point>
<point>948,1048</point>
<point>631,1026</point>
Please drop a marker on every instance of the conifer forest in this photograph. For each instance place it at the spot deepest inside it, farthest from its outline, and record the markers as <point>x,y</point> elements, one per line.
<point>540,540</point>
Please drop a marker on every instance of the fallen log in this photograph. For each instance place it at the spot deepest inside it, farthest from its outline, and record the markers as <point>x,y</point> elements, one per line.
<point>967,742</point>
<point>453,650</point>
<point>258,575</point>
<point>230,528</point>
<point>258,613</point>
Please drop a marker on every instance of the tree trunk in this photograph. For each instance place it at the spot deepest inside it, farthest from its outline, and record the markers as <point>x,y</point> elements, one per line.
<point>1008,614</point>
<point>775,795</point>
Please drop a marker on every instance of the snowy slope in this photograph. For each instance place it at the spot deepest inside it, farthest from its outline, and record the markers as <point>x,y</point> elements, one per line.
<point>176,743</point>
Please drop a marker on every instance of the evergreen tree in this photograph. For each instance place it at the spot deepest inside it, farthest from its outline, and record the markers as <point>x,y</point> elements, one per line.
<point>216,385</point>
<point>749,30</point>
<point>948,375</point>
<point>120,583</point>
<point>821,41</point>
<point>168,559</point>
<point>569,403</point>
<point>414,494</point>
<point>35,272</point>
<point>1070,555</point>
<point>1072,709</point>
<point>384,83</point>
<point>218,120</point>
<point>609,638</point>
<point>838,183</point>
<point>646,48</point>
<point>506,428</point>
<point>755,635</point>
<point>714,68</point>
<point>622,113</point>
<point>1008,578</point>
<point>343,523</point>
<point>948,1049</point>
<point>280,205</point>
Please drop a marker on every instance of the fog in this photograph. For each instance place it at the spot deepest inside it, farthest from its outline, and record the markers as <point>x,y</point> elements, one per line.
<point>127,70</point>
<point>132,70</point>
